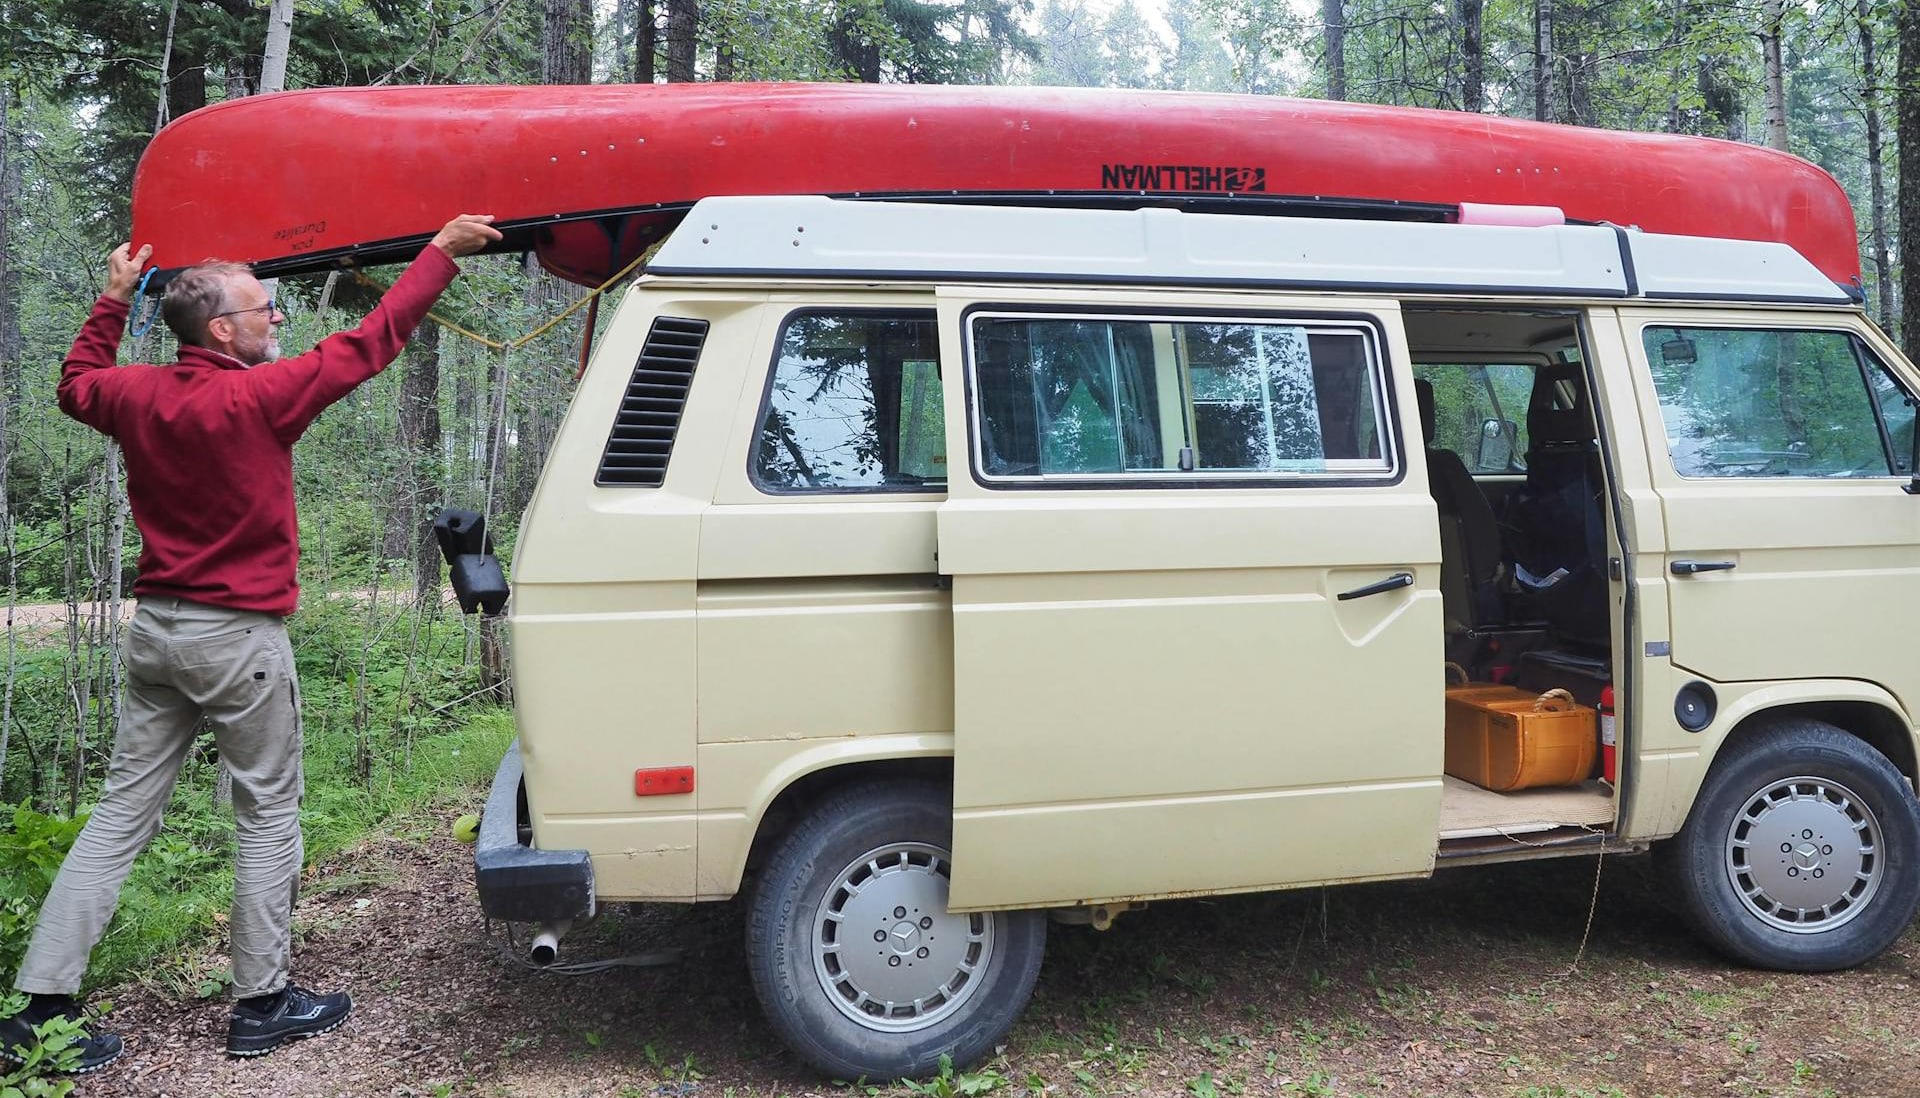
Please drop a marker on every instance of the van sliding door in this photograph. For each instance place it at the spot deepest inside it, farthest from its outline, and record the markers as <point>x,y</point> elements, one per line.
<point>1197,627</point>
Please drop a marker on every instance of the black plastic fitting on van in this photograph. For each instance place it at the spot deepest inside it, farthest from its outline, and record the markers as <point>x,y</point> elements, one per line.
<point>478,581</point>
<point>516,881</point>
<point>1694,706</point>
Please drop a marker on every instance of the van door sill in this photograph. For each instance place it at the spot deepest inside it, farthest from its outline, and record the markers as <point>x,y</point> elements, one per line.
<point>1470,812</point>
<point>1559,842</point>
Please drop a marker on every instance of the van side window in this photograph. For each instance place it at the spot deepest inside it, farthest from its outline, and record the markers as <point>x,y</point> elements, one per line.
<point>1770,403</point>
<point>1093,396</point>
<point>853,404</point>
<point>1480,412</point>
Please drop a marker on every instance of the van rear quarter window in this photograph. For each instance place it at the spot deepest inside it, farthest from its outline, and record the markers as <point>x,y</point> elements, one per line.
<point>1093,396</point>
<point>853,404</point>
<point>1751,402</point>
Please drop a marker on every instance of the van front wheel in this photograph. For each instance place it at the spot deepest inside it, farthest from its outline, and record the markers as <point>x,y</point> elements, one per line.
<point>854,956</point>
<point>1802,852</point>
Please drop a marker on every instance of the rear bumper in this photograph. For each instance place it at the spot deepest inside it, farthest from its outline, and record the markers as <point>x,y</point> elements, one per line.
<point>517,881</point>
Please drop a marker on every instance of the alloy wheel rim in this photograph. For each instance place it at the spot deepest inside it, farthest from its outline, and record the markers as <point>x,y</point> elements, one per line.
<point>1804,854</point>
<point>885,949</point>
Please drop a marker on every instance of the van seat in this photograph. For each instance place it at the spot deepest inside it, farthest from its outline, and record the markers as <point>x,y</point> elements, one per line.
<point>1470,558</point>
<point>1556,519</point>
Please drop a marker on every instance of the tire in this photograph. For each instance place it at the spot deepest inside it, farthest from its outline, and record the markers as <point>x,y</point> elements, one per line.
<point>1802,851</point>
<point>854,958</point>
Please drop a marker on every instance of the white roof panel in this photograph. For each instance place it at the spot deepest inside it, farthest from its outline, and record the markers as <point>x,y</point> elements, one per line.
<point>1744,270</point>
<point>813,236</point>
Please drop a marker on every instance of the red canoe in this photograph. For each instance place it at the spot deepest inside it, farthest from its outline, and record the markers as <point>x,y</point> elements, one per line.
<point>586,176</point>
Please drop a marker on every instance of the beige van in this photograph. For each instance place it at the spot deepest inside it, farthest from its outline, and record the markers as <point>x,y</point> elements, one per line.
<point>922,571</point>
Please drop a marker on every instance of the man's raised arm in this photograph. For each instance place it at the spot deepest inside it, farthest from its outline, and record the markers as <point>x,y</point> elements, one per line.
<point>295,391</point>
<point>98,343</point>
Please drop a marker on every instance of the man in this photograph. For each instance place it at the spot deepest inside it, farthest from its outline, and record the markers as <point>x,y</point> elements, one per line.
<point>208,443</point>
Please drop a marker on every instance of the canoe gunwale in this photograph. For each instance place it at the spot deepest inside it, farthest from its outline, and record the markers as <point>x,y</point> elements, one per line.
<point>519,235</point>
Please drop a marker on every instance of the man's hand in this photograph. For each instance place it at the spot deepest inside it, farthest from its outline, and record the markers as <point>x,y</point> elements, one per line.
<point>466,234</point>
<point>123,271</point>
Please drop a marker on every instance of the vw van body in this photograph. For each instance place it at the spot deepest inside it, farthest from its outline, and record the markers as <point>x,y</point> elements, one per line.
<point>920,571</point>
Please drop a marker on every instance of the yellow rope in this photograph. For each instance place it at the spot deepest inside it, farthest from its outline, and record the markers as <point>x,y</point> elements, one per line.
<point>521,341</point>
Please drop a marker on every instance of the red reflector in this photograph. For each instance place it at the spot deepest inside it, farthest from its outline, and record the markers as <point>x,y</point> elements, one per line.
<point>662,781</point>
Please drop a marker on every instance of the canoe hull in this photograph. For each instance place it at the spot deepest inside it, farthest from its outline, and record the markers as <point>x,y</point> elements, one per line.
<point>586,176</point>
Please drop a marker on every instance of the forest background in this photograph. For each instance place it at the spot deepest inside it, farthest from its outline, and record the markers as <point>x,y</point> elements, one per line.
<point>405,701</point>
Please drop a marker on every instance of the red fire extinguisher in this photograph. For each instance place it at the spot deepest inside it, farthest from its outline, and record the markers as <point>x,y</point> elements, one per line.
<point>1608,737</point>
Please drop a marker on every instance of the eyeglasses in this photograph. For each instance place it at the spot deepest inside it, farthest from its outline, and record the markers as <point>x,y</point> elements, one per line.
<point>270,308</point>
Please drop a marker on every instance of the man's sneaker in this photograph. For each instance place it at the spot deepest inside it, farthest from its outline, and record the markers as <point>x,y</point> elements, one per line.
<point>299,1013</point>
<point>17,1039</point>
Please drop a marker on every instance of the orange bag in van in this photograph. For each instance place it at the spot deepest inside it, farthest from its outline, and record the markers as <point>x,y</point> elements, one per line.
<point>1503,738</point>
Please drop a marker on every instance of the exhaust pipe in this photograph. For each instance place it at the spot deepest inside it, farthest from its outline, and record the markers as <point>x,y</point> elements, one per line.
<point>546,942</point>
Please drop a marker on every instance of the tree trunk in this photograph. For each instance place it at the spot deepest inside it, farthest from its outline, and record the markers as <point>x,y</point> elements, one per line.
<point>1676,75</point>
<point>420,440</point>
<point>1543,60</point>
<point>237,84</point>
<point>1906,99</point>
<point>1870,96</point>
<point>470,431</point>
<point>112,669</point>
<point>187,84</point>
<point>273,60</point>
<point>166,64</point>
<point>566,39</point>
<point>1334,19</point>
<point>683,32</point>
<point>643,41</point>
<point>1473,55</point>
<point>1772,18</point>
<point>623,27</point>
<point>11,345</point>
<point>9,386</point>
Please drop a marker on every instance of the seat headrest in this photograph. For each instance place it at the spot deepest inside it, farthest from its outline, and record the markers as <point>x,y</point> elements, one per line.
<point>1551,420</point>
<point>1423,396</point>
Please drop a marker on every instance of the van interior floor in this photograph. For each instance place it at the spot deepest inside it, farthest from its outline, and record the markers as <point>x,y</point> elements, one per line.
<point>1468,811</point>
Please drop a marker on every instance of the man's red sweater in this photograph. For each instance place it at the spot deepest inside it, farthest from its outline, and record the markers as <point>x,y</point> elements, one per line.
<point>209,442</point>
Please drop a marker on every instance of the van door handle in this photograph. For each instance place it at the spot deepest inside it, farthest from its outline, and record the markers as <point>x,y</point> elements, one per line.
<point>1391,583</point>
<point>1695,567</point>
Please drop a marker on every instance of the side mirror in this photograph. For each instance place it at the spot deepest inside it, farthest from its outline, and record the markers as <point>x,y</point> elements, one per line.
<point>1495,449</point>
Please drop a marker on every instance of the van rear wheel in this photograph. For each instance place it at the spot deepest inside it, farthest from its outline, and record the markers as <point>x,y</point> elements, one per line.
<point>1802,852</point>
<point>856,960</point>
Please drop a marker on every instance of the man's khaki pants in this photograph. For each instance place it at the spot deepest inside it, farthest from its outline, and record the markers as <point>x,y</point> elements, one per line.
<point>185,660</point>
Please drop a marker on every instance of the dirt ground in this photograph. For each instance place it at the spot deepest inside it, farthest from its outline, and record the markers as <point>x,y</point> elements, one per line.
<point>1452,987</point>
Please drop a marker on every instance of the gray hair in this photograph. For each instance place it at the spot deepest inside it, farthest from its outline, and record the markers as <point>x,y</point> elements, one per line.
<point>195,296</point>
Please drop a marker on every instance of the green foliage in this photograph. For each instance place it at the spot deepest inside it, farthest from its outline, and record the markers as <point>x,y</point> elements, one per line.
<point>927,41</point>
<point>57,1050</point>
<point>947,1083</point>
<point>31,850</point>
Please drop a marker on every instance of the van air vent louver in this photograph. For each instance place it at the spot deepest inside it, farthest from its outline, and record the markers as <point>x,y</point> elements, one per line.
<point>642,437</point>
